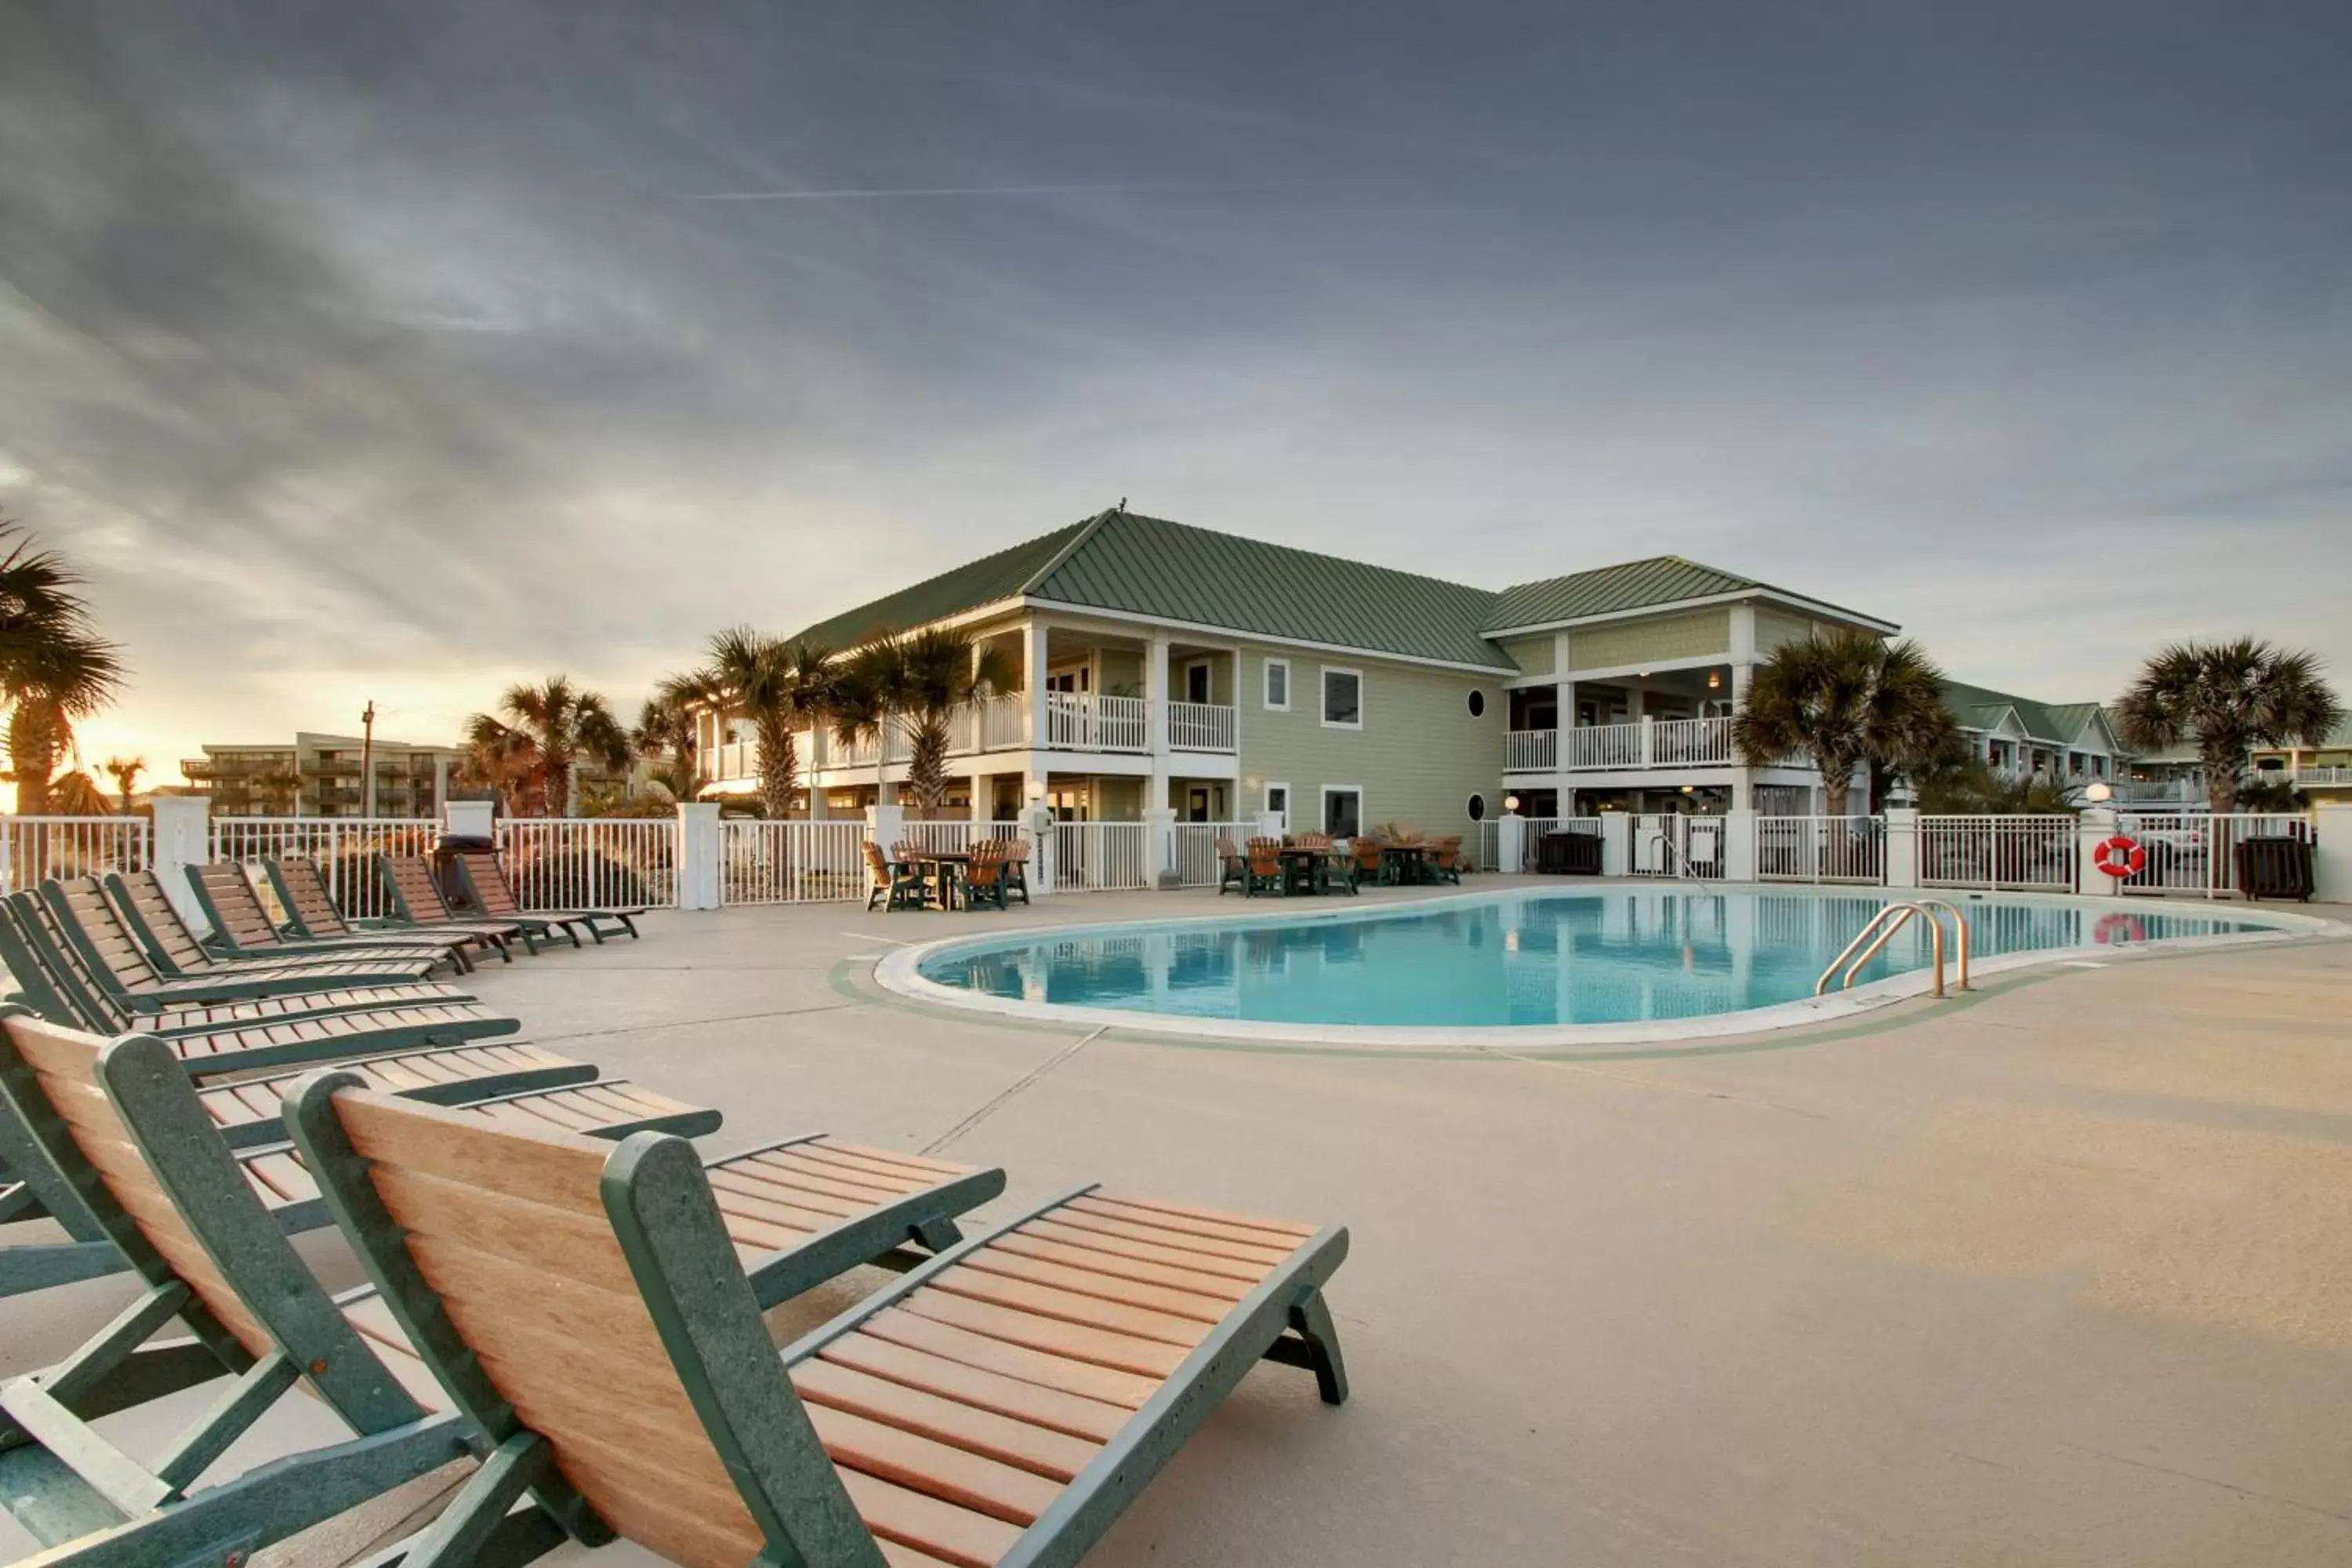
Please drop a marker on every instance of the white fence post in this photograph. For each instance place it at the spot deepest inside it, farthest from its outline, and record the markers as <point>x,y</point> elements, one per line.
<point>1160,868</point>
<point>1616,844</point>
<point>1043,870</point>
<point>699,885</point>
<point>183,837</point>
<point>1740,846</point>
<point>2093,828</point>
<point>1510,843</point>
<point>1902,847</point>
<point>2332,858</point>
<point>886,825</point>
<point>469,819</point>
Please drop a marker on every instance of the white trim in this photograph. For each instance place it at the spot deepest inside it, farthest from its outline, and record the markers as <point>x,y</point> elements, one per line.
<point>1606,672</point>
<point>1265,799</point>
<point>1323,673</point>
<point>1289,685</point>
<point>1270,640</point>
<point>1323,817</point>
<point>1708,601</point>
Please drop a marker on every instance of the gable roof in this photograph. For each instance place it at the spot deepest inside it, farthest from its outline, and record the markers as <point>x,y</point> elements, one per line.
<point>1981,708</point>
<point>1631,585</point>
<point>1127,563</point>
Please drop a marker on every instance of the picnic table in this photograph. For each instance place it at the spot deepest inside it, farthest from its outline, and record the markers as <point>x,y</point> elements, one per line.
<point>943,869</point>
<point>1410,861</point>
<point>1307,865</point>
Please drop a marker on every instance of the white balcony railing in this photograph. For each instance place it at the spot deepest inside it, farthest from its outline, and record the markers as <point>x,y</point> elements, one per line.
<point>1531,750</point>
<point>1200,727</point>
<point>2322,775</point>
<point>1590,748</point>
<point>1081,722</point>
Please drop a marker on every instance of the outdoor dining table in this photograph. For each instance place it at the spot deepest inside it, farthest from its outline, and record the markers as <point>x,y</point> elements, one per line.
<point>943,869</point>
<point>1304,861</point>
<point>1410,861</point>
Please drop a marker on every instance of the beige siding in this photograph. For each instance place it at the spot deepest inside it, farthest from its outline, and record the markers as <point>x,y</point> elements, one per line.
<point>1776,627</point>
<point>1532,655</point>
<point>1418,758</point>
<point>1693,634</point>
<point>1122,672</point>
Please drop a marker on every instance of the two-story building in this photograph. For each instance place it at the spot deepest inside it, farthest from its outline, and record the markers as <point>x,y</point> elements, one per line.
<point>1164,666</point>
<point>2071,744</point>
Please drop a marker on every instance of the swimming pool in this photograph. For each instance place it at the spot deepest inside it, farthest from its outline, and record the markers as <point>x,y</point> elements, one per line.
<point>1619,963</point>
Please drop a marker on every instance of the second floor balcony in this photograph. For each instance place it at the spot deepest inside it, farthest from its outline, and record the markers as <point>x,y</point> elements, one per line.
<point>1071,722</point>
<point>1595,748</point>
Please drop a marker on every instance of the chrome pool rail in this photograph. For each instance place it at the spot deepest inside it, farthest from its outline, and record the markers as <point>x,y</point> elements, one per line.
<point>1883,926</point>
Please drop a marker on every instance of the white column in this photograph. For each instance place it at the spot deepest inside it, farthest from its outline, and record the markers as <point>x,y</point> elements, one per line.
<point>1160,846</point>
<point>1902,847</point>
<point>1510,843</point>
<point>1616,843</point>
<point>1032,677</point>
<point>1739,844</point>
<point>469,819</point>
<point>183,837</point>
<point>1155,719</point>
<point>699,885</point>
<point>1743,636</point>
<point>1649,735</point>
<point>2095,826</point>
<point>1040,818</point>
<point>2332,822</point>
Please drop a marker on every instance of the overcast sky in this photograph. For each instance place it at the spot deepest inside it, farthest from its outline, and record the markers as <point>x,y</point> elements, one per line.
<point>404,350</point>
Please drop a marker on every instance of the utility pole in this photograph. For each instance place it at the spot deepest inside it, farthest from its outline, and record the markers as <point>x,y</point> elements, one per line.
<point>367,759</point>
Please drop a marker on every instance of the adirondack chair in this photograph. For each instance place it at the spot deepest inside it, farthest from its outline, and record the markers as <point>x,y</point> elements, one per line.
<point>1445,860</point>
<point>897,886</point>
<point>1366,863</point>
<point>129,1151</point>
<point>495,897</point>
<point>1265,870</point>
<point>408,881</point>
<point>1232,869</point>
<point>310,907</point>
<point>243,927</point>
<point>1000,1405</point>
<point>983,876</point>
<point>1016,869</point>
<point>141,964</point>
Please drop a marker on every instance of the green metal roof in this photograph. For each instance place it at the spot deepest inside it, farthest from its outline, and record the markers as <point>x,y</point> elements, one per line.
<point>1634,585</point>
<point>1981,708</point>
<point>1133,565</point>
<point>976,583</point>
<point>1149,566</point>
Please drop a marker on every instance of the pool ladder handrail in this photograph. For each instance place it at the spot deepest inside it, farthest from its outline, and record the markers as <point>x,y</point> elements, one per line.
<point>1884,924</point>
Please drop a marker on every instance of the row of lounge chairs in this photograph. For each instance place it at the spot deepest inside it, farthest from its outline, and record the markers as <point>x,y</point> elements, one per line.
<point>1315,863</point>
<point>565,1292</point>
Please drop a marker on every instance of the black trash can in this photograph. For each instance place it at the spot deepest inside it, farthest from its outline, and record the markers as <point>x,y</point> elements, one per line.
<point>454,891</point>
<point>2277,865</point>
<point>1569,855</point>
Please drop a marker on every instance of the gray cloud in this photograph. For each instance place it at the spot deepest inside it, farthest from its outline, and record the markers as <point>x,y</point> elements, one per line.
<point>383,349</point>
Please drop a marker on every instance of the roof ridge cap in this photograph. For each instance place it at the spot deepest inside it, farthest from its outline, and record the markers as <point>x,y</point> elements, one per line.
<point>1053,561</point>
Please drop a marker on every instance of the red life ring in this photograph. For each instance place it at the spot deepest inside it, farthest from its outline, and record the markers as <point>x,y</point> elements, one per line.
<point>2120,857</point>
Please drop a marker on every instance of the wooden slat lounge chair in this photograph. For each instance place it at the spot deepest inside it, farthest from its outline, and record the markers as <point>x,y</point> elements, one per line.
<point>983,876</point>
<point>302,890</point>
<point>495,896</point>
<point>242,926</point>
<point>127,1140</point>
<point>122,961</point>
<point>1445,860</point>
<point>1000,1405</point>
<point>408,878</point>
<point>1232,868</point>
<point>1365,862</point>
<point>1016,869</point>
<point>896,884</point>
<point>1264,868</point>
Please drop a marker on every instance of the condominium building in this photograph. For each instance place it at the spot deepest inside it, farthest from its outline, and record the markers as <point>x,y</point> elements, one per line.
<point>321,776</point>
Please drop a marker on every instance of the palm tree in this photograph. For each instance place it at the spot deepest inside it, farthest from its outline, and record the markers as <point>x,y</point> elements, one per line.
<point>125,772</point>
<point>2227,698</point>
<point>940,671</point>
<point>540,735</point>
<point>665,730</point>
<point>54,668</point>
<point>76,794</point>
<point>779,686</point>
<point>1845,699</point>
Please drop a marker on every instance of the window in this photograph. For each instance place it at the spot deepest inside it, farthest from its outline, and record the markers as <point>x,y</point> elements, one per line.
<point>1277,684</point>
<point>1196,682</point>
<point>1343,698</point>
<point>1477,809</point>
<point>1278,798</point>
<point>1477,704</point>
<point>1343,810</point>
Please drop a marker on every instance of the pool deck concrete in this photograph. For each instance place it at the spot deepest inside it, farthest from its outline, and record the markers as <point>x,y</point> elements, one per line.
<point>2058,1273</point>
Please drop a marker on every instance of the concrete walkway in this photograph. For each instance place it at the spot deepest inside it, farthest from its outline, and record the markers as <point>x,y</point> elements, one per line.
<point>2059,1274</point>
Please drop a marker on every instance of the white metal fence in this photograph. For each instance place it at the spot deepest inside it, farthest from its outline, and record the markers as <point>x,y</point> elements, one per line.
<point>1672,844</point>
<point>1821,849</point>
<point>589,863</point>
<point>764,862</point>
<point>1997,854</point>
<point>345,849</point>
<point>1197,863</point>
<point>35,848</point>
<point>2196,854</point>
<point>1100,856</point>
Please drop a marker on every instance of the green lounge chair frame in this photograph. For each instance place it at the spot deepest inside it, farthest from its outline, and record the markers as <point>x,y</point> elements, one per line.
<point>121,956</point>
<point>898,887</point>
<point>983,884</point>
<point>486,881</point>
<point>242,927</point>
<point>1254,881</point>
<point>68,1484</point>
<point>311,909</point>
<point>408,881</point>
<point>1016,869</point>
<point>667,1222</point>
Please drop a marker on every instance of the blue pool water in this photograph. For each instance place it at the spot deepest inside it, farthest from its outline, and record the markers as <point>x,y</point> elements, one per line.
<point>1600,957</point>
